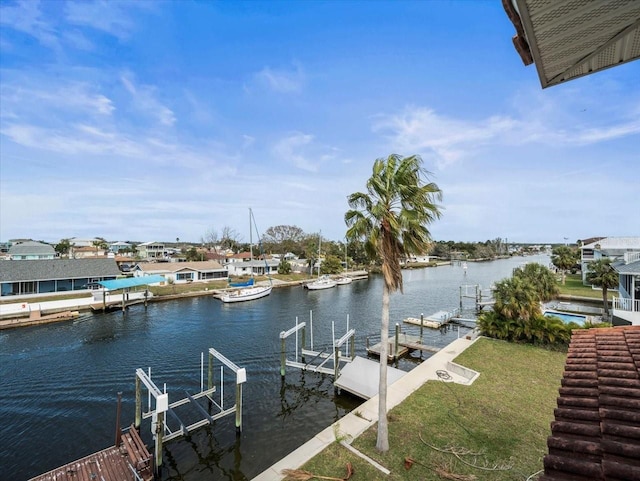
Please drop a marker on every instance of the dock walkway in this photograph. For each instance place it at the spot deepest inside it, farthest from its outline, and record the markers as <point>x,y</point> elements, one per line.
<point>406,343</point>
<point>130,461</point>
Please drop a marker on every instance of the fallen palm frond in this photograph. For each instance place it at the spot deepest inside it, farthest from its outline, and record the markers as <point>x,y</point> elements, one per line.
<point>302,475</point>
<point>459,452</point>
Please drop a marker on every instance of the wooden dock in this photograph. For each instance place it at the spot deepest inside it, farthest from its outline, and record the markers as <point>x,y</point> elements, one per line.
<point>433,321</point>
<point>130,461</point>
<point>405,343</point>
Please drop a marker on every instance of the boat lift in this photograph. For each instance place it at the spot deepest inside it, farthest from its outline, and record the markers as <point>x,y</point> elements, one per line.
<point>333,356</point>
<point>160,426</point>
<point>482,297</point>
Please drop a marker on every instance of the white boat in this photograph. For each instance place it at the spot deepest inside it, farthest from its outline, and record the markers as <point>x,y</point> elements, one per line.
<point>341,281</point>
<point>250,291</point>
<point>246,294</point>
<point>323,282</point>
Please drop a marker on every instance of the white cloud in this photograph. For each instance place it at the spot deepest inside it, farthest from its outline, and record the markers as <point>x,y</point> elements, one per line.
<point>108,17</point>
<point>144,98</point>
<point>293,148</point>
<point>282,81</point>
<point>26,17</point>
<point>449,139</point>
<point>28,98</point>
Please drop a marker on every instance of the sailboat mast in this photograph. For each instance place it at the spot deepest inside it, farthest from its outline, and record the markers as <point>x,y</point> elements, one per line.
<point>319,245</point>
<point>250,241</point>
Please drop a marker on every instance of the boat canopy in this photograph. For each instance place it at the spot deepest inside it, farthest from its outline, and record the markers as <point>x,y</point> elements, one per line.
<point>115,284</point>
<point>248,283</point>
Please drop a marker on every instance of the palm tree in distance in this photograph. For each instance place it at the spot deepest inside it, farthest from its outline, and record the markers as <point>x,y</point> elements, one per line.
<point>601,274</point>
<point>391,219</point>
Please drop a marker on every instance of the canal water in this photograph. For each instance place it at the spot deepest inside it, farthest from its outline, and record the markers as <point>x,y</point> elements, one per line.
<point>59,382</point>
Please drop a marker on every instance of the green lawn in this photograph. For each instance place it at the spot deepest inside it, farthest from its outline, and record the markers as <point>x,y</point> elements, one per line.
<point>573,287</point>
<point>504,415</point>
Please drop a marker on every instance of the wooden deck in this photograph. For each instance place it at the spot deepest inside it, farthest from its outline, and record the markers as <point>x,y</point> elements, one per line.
<point>111,464</point>
<point>406,343</point>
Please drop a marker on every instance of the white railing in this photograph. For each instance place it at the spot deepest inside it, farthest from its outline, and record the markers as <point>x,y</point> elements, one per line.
<point>624,304</point>
<point>630,257</point>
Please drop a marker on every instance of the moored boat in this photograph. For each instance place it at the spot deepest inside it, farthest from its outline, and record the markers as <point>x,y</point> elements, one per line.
<point>342,280</point>
<point>322,282</point>
<point>246,294</point>
<point>248,291</point>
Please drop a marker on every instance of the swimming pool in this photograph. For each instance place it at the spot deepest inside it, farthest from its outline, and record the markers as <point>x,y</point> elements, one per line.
<point>566,317</point>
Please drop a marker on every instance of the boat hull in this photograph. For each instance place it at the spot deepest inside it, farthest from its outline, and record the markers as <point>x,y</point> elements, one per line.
<point>246,294</point>
<point>321,284</point>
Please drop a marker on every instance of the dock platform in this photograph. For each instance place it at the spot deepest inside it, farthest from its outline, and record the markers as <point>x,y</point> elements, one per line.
<point>130,461</point>
<point>406,343</point>
<point>361,376</point>
<point>433,321</point>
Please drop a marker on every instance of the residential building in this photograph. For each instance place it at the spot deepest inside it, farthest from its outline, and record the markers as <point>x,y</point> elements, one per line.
<point>182,272</point>
<point>151,250</point>
<point>255,267</point>
<point>86,252</point>
<point>31,250</point>
<point>119,246</point>
<point>613,248</point>
<point>626,306</point>
<point>78,242</point>
<point>54,275</point>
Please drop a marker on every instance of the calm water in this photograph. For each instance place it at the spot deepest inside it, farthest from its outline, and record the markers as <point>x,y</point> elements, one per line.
<point>59,382</point>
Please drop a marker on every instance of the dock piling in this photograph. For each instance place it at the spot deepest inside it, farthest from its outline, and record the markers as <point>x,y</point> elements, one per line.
<point>138,419</point>
<point>118,430</point>
<point>283,354</point>
<point>397,342</point>
<point>158,451</point>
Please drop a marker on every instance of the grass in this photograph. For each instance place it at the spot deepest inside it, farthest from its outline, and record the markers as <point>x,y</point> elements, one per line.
<point>573,287</point>
<point>505,415</point>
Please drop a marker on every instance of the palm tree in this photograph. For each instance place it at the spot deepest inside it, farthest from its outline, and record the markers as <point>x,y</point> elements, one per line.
<point>391,219</point>
<point>542,279</point>
<point>564,258</point>
<point>516,298</point>
<point>601,274</point>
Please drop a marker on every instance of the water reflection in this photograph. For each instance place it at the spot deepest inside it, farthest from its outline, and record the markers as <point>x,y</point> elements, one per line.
<point>59,380</point>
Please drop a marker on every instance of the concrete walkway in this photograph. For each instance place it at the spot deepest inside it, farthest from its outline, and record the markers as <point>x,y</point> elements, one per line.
<point>439,366</point>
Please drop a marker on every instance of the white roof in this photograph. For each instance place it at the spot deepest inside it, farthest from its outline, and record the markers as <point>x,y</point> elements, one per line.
<point>615,243</point>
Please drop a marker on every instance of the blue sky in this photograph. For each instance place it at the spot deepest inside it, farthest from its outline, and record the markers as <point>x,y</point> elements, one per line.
<point>156,120</point>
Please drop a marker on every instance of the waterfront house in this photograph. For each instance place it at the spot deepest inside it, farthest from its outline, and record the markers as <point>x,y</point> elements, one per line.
<point>86,252</point>
<point>182,272</point>
<point>152,250</point>
<point>613,248</point>
<point>119,246</point>
<point>48,276</point>
<point>31,250</point>
<point>256,267</point>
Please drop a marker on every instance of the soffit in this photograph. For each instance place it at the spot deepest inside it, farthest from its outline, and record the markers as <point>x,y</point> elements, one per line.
<point>567,39</point>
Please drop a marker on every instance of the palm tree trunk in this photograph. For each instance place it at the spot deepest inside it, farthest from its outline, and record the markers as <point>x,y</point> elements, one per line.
<point>382,444</point>
<point>605,301</point>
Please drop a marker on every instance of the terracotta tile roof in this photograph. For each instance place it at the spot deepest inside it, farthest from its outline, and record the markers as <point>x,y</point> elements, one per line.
<point>596,432</point>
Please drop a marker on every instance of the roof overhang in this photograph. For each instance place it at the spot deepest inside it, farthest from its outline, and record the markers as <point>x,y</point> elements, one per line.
<point>568,39</point>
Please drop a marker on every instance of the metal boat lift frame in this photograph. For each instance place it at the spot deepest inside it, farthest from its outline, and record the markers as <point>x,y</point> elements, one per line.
<point>335,356</point>
<point>161,431</point>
